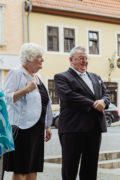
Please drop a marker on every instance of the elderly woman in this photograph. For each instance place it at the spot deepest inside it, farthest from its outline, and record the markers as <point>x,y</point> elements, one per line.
<point>30,113</point>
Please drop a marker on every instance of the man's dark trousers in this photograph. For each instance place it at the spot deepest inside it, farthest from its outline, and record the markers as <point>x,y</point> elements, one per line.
<point>78,147</point>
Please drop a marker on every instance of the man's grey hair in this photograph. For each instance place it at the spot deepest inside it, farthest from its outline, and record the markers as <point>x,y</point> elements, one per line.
<point>76,49</point>
<point>29,51</point>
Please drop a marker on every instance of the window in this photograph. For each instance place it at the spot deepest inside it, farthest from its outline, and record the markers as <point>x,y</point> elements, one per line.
<point>60,38</point>
<point>51,88</point>
<point>118,44</point>
<point>93,42</point>
<point>1,25</point>
<point>69,39</point>
<point>52,39</point>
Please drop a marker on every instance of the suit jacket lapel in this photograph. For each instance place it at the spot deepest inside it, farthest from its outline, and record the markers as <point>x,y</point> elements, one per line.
<point>81,82</point>
<point>95,84</point>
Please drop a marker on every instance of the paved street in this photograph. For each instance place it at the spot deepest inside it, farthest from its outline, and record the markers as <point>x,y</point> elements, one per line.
<point>110,141</point>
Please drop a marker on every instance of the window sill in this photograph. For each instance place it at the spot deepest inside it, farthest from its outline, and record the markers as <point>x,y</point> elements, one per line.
<point>94,55</point>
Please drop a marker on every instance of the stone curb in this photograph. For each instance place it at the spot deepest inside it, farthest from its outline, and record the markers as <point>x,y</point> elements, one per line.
<point>115,124</point>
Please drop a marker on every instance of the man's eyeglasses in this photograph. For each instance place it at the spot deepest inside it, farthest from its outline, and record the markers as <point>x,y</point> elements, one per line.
<point>81,58</point>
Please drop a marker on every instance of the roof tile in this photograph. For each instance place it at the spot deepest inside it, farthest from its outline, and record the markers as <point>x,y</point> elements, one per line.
<point>99,7</point>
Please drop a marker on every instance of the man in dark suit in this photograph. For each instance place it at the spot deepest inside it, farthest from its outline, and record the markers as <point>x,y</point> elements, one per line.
<point>83,98</point>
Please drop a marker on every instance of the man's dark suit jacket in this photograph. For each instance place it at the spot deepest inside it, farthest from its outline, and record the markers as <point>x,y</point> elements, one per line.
<point>76,102</point>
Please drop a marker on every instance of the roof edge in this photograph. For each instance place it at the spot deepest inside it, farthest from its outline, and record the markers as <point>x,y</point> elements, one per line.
<point>75,14</point>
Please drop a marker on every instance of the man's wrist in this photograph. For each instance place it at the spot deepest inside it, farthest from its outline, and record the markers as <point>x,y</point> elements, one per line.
<point>104,103</point>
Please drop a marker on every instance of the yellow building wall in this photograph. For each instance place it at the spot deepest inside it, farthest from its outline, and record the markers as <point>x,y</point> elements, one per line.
<point>59,62</point>
<point>13,26</point>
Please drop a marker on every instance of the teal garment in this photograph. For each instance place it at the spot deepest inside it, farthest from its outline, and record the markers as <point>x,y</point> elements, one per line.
<point>6,137</point>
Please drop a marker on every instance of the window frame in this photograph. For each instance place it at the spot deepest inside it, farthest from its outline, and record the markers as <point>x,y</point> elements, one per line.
<point>2,8</point>
<point>57,37</point>
<point>70,38</point>
<point>100,47</point>
<point>117,51</point>
<point>61,40</point>
<point>94,41</point>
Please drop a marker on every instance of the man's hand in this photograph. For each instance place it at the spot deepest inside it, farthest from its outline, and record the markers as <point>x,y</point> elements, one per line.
<point>48,134</point>
<point>99,105</point>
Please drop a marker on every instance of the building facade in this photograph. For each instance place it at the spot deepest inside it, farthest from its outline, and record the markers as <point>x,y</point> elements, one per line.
<point>60,25</point>
<point>11,35</point>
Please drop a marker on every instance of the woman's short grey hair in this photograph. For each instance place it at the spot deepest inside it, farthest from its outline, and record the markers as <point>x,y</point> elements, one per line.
<point>76,49</point>
<point>29,51</point>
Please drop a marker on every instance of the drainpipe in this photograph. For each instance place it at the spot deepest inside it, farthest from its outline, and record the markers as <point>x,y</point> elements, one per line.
<point>23,19</point>
<point>28,4</point>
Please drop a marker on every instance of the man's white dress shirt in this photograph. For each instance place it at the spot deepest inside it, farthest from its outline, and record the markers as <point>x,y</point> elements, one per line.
<point>85,78</point>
